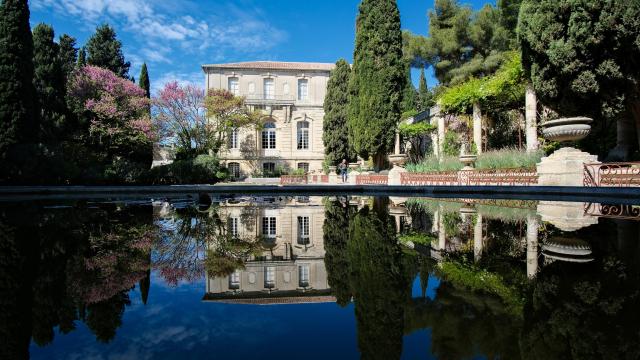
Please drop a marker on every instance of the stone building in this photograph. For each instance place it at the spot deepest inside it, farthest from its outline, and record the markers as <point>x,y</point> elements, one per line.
<point>291,97</point>
<point>292,268</point>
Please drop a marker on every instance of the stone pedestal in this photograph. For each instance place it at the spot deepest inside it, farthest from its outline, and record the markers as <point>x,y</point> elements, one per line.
<point>394,175</point>
<point>566,216</point>
<point>565,167</point>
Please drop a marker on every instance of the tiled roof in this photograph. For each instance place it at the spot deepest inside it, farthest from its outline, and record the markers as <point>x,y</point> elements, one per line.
<point>273,65</point>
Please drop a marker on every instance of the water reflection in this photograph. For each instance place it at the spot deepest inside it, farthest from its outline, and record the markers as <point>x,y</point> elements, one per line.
<point>493,278</point>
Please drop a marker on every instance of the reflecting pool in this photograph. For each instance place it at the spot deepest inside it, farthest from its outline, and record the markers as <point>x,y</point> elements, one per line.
<point>319,277</point>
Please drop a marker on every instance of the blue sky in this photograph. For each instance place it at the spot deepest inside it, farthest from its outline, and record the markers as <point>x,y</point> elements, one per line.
<point>175,37</point>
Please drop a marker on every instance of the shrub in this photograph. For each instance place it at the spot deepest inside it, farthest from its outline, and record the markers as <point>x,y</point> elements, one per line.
<point>202,169</point>
<point>431,164</point>
<point>508,158</point>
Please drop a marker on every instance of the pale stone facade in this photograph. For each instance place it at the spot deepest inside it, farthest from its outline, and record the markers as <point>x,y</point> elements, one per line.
<point>292,267</point>
<point>291,96</point>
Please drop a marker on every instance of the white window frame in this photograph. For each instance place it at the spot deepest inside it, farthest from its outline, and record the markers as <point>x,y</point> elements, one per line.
<point>233,85</point>
<point>268,140</point>
<point>304,166</point>
<point>269,276</point>
<point>304,233</point>
<point>302,135</point>
<point>234,280</point>
<point>234,169</point>
<point>303,275</point>
<point>269,226</point>
<point>303,89</point>
<point>234,137</point>
<point>269,88</point>
<point>233,227</point>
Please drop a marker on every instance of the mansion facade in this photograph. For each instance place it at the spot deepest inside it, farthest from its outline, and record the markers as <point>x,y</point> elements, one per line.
<point>291,97</point>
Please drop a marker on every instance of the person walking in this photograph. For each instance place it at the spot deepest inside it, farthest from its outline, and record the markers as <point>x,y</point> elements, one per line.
<point>343,167</point>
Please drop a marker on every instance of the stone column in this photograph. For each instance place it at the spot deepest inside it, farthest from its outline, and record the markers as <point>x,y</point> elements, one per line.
<point>477,126</point>
<point>442,236</point>
<point>397,146</point>
<point>532,246</point>
<point>531,124</point>
<point>477,239</point>
<point>440,135</point>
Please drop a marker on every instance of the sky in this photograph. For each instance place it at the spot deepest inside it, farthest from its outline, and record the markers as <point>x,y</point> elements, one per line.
<point>176,37</point>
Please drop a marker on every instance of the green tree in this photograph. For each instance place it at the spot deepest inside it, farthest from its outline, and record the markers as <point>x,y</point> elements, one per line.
<point>49,81</point>
<point>409,94</point>
<point>425,97</point>
<point>336,237</point>
<point>82,58</point>
<point>377,80</point>
<point>463,44</point>
<point>68,53</point>
<point>336,102</point>
<point>144,84</point>
<point>18,115</point>
<point>583,58</point>
<point>105,50</point>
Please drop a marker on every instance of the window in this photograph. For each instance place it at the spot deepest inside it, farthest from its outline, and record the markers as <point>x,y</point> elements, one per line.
<point>234,169</point>
<point>303,230</point>
<point>303,135</point>
<point>269,277</point>
<point>269,226</point>
<point>303,89</point>
<point>303,275</point>
<point>233,139</point>
<point>252,88</point>
<point>304,166</point>
<point>269,136</point>
<point>233,86</point>
<point>285,89</point>
<point>268,89</point>
<point>234,280</point>
<point>268,168</point>
<point>233,227</point>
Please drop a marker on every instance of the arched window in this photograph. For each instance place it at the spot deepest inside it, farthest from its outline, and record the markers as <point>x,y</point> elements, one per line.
<point>269,136</point>
<point>234,170</point>
<point>303,135</point>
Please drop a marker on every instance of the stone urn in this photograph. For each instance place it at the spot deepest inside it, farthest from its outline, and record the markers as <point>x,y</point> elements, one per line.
<point>565,167</point>
<point>398,159</point>
<point>567,249</point>
<point>468,160</point>
<point>567,129</point>
<point>332,170</point>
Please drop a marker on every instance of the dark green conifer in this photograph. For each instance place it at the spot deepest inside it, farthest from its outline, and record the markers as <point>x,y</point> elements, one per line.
<point>49,81</point>
<point>335,135</point>
<point>18,115</point>
<point>105,50</point>
<point>144,83</point>
<point>425,97</point>
<point>409,94</point>
<point>82,58</point>
<point>68,53</point>
<point>377,80</point>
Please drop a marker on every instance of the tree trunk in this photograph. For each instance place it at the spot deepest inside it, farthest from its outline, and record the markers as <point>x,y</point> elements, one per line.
<point>379,161</point>
<point>627,132</point>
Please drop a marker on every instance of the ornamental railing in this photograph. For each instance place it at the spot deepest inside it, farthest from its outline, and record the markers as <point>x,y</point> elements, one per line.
<point>372,179</point>
<point>318,178</point>
<point>614,211</point>
<point>620,174</point>
<point>510,176</point>
<point>293,179</point>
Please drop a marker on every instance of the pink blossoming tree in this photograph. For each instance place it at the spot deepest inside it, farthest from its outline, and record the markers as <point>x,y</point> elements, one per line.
<point>113,116</point>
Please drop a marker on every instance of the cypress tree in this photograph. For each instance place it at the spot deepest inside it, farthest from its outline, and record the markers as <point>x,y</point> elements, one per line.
<point>425,97</point>
<point>49,81</point>
<point>18,117</point>
<point>82,58</point>
<point>335,135</point>
<point>68,54</point>
<point>377,81</point>
<point>105,50</point>
<point>143,82</point>
<point>409,94</point>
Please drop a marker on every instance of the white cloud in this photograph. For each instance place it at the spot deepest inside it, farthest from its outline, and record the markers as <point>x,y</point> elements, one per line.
<point>231,28</point>
<point>195,78</point>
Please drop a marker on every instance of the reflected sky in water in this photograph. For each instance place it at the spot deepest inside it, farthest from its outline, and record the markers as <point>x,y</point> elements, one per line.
<point>334,278</point>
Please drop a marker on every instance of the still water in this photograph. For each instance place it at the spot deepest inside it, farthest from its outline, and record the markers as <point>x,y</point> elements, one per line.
<point>319,277</point>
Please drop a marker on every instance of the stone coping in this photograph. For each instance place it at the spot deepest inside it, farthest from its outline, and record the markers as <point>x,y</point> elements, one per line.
<point>615,195</point>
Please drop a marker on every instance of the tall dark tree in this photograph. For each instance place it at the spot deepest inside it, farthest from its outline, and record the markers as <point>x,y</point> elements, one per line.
<point>49,80</point>
<point>425,97</point>
<point>82,58</point>
<point>377,80</point>
<point>144,84</point>
<point>336,237</point>
<point>18,115</point>
<point>336,102</point>
<point>68,53</point>
<point>583,58</point>
<point>105,50</point>
<point>409,94</point>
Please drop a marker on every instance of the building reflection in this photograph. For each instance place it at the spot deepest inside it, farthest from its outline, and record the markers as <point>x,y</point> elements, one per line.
<point>290,266</point>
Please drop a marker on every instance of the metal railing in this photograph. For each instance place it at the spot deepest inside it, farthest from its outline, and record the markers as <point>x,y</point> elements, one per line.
<point>510,176</point>
<point>264,99</point>
<point>614,211</point>
<point>619,174</point>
